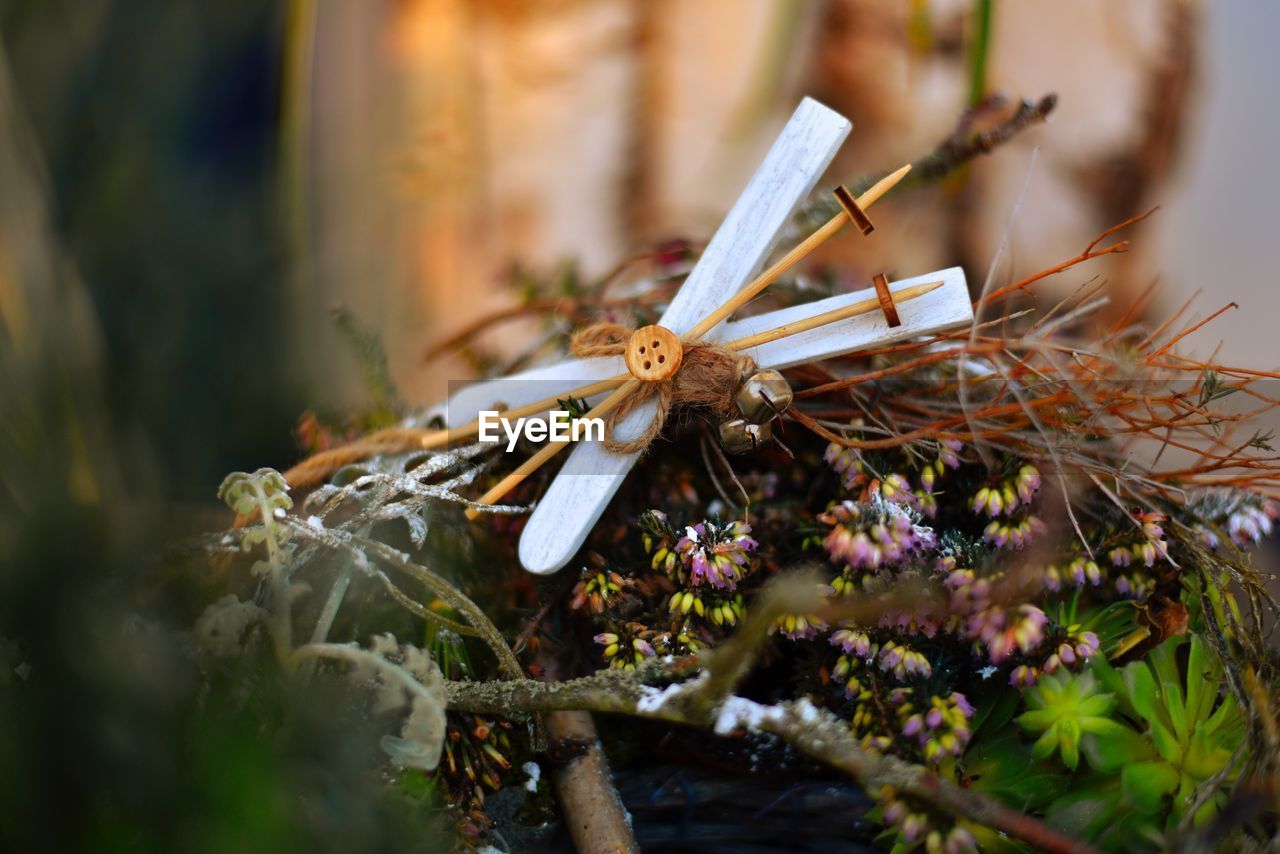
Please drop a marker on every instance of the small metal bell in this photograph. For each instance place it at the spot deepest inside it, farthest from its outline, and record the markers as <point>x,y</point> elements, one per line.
<point>739,436</point>
<point>763,396</point>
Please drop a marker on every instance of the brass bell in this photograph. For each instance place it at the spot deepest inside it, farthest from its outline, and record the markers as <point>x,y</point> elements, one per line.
<point>763,396</point>
<point>739,436</point>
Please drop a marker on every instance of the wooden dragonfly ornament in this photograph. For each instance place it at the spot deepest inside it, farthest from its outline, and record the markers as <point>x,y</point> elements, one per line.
<point>719,284</point>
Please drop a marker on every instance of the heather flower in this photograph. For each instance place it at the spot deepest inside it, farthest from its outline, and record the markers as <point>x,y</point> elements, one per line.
<point>726,611</point>
<point>719,610</point>
<point>1024,676</point>
<point>853,641</point>
<point>1077,648</point>
<point>1251,523</point>
<point>597,590</point>
<point>915,827</point>
<point>948,454</point>
<point>903,661</point>
<point>1207,536</point>
<point>799,626</point>
<point>969,594</point>
<point>1135,585</point>
<point>848,583</point>
<point>1120,556</point>
<point>924,618</point>
<point>847,463</point>
<point>1007,496</point>
<point>684,601</point>
<point>1082,570</point>
<point>959,840</point>
<point>1004,630</point>
<point>659,538</point>
<point>846,669</point>
<point>895,488</point>
<point>926,502</point>
<point>1246,517</point>
<point>988,500</point>
<point>873,534</point>
<point>1052,579</point>
<point>716,555</point>
<point>1027,483</point>
<point>1016,534</point>
<point>942,730</point>
<point>626,649</point>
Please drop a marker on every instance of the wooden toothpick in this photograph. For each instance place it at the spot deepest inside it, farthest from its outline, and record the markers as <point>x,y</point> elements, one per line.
<point>865,306</point>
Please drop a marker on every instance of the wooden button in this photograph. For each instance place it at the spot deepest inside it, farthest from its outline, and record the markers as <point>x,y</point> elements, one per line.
<point>653,354</point>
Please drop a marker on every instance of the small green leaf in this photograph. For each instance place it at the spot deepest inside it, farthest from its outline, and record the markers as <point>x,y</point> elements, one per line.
<point>1177,711</point>
<point>1085,811</point>
<point>1001,765</point>
<point>1197,675</point>
<point>995,711</point>
<point>1098,705</point>
<point>1037,719</point>
<point>1141,688</point>
<point>1167,745</point>
<point>1069,743</point>
<point>1146,783</point>
<point>1046,744</point>
<point>1109,746</point>
<point>1113,681</point>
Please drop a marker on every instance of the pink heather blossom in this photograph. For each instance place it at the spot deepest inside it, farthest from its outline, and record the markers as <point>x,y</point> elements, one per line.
<point>716,555</point>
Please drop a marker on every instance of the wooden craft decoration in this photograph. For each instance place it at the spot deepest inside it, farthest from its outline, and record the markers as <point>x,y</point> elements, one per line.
<point>699,312</point>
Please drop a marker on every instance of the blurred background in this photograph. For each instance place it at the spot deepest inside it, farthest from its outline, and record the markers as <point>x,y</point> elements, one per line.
<point>216,180</point>
<point>188,189</point>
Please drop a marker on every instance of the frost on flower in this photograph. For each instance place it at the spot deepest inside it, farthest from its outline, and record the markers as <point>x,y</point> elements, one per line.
<point>1244,517</point>
<point>716,555</point>
<point>870,535</point>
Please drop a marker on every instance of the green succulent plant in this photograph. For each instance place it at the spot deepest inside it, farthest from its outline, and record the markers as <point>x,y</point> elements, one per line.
<point>1154,734</point>
<point>1062,708</point>
<point>1193,726</point>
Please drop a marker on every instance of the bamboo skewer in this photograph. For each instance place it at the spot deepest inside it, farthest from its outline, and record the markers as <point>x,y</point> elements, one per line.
<point>866,306</point>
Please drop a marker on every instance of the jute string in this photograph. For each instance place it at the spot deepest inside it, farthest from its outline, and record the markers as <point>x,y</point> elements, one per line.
<point>708,380</point>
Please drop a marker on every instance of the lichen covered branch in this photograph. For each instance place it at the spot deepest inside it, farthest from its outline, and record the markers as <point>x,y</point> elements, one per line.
<point>707,701</point>
<point>812,731</point>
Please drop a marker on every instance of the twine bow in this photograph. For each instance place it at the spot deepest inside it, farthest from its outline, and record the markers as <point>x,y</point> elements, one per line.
<point>708,379</point>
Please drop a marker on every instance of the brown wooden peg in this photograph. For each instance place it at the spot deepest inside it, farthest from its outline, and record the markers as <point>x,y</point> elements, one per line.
<point>653,354</point>
<point>886,300</point>
<point>855,212</point>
